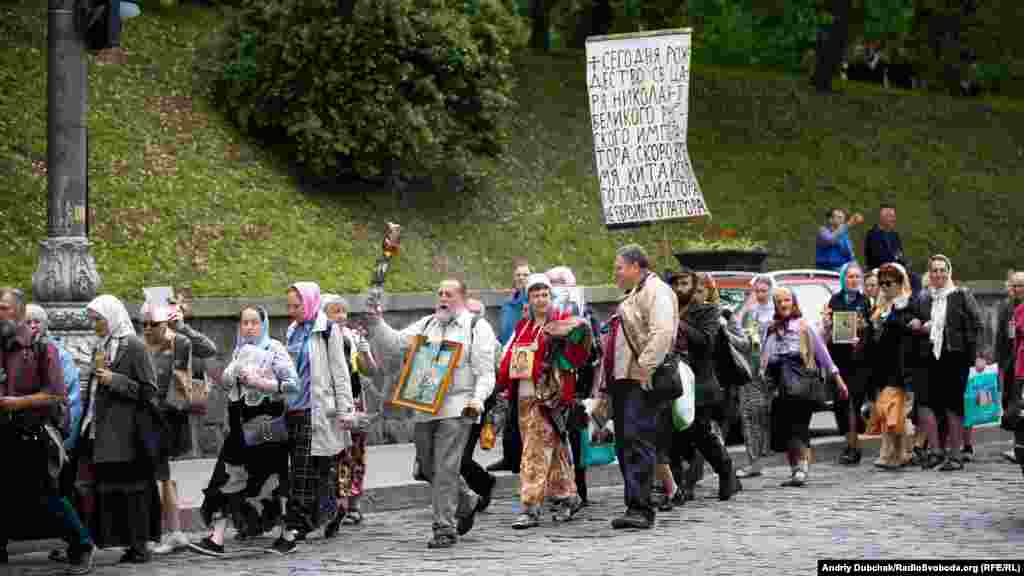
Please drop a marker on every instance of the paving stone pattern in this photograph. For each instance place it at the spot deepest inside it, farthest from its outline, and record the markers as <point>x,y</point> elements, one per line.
<point>844,512</point>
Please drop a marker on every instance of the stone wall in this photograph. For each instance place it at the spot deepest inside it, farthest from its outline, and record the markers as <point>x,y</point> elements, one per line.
<point>218,319</point>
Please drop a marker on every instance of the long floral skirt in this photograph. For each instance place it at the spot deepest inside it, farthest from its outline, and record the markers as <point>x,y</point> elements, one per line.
<point>352,467</point>
<point>546,468</point>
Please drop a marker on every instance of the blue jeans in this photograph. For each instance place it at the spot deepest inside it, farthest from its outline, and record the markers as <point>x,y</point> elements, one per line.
<point>636,439</point>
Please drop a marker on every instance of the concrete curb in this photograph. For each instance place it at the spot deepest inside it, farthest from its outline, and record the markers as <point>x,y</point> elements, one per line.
<point>417,494</point>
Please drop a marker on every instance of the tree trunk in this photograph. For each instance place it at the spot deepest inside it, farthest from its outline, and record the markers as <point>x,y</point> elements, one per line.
<point>832,49</point>
<point>539,39</point>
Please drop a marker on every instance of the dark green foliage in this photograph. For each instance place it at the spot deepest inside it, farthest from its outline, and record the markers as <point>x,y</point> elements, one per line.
<point>370,88</point>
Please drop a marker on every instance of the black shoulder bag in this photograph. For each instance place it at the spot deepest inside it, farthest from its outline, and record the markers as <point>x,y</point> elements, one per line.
<point>665,382</point>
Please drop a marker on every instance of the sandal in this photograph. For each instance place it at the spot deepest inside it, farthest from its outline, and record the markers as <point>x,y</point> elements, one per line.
<point>952,464</point>
<point>747,473</point>
<point>353,518</point>
<point>568,510</point>
<point>59,555</point>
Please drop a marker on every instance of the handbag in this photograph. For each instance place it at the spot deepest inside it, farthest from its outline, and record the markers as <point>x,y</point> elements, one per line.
<point>666,384</point>
<point>265,430</point>
<point>807,382</point>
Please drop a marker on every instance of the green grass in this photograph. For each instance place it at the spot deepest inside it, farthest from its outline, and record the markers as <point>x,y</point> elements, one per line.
<point>184,197</point>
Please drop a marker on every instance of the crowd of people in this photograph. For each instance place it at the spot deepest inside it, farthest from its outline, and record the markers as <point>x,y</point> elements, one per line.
<point>97,446</point>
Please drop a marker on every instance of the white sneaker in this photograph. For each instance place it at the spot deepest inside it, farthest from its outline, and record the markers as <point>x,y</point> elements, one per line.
<point>171,542</point>
<point>164,547</point>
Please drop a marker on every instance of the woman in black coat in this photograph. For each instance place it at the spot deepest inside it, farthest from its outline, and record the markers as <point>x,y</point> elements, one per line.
<point>119,438</point>
<point>951,321</point>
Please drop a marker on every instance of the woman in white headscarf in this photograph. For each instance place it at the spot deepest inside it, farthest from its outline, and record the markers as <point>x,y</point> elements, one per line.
<point>953,325</point>
<point>119,446</point>
<point>756,316</point>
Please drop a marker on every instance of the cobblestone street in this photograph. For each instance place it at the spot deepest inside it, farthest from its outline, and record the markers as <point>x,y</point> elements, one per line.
<point>843,513</point>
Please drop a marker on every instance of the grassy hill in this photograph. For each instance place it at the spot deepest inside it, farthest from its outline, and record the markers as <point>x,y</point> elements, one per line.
<point>178,195</point>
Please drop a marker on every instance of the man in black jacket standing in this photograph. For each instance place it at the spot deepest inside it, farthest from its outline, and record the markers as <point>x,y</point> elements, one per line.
<point>695,342</point>
<point>883,245</point>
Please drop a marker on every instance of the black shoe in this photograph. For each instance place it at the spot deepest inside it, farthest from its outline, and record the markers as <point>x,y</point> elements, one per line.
<point>634,520</point>
<point>300,536</point>
<point>967,454</point>
<point>679,499</point>
<point>83,563</point>
<point>689,494</point>
<point>331,530</point>
<point>728,484</point>
<point>502,465</point>
<point>659,498</point>
<point>850,457</point>
<point>464,524</point>
<point>133,556</point>
<point>485,496</point>
<point>932,460</point>
<point>207,547</point>
<point>59,556</point>
<point>952,464</point>
<point>283,547</point>
<point>442,541</point>
<point>918,456</point>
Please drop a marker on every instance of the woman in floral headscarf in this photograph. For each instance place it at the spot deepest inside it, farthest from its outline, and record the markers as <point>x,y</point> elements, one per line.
<point>555,346</point>
<point>320,415</point>
<point>790,347</point>
<point>250,483</point>
<point>951,320</point>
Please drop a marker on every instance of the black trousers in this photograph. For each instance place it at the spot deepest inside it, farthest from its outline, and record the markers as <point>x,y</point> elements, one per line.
<point>636,439</point>
<point>701,437</point>
<point>478,478</point>
<point>511,441</point>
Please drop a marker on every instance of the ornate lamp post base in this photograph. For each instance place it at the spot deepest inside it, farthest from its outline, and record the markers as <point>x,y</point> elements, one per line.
<point>70,323</point>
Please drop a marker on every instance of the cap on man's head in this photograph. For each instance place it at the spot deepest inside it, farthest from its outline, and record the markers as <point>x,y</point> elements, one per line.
<point>538,280</point>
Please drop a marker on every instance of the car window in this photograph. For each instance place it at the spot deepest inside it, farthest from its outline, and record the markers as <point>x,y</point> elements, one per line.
<point>813,299</point>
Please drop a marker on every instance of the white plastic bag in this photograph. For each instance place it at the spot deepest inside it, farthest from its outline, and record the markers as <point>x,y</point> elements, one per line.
<point>683,408</point>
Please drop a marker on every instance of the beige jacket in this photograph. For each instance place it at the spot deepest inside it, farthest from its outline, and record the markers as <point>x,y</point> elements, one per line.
<point>650,312</point>
<point>331,392</point>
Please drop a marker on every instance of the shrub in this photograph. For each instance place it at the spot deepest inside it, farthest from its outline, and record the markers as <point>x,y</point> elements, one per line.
<point>370,88</point>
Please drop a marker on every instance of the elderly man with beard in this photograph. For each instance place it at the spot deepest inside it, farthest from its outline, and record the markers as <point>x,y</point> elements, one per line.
<point>695,343</point>
<point>441,438</point>
<point>1005,351</point>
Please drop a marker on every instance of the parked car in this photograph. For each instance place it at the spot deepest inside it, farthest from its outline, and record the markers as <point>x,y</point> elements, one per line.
<point>813,289</point>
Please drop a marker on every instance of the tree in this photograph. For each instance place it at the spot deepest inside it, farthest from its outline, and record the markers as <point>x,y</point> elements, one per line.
<point>373,89</point>
<point>832,43</point>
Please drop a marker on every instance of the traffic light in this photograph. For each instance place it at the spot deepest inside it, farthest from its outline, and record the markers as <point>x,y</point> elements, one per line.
<point>103,24</point>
